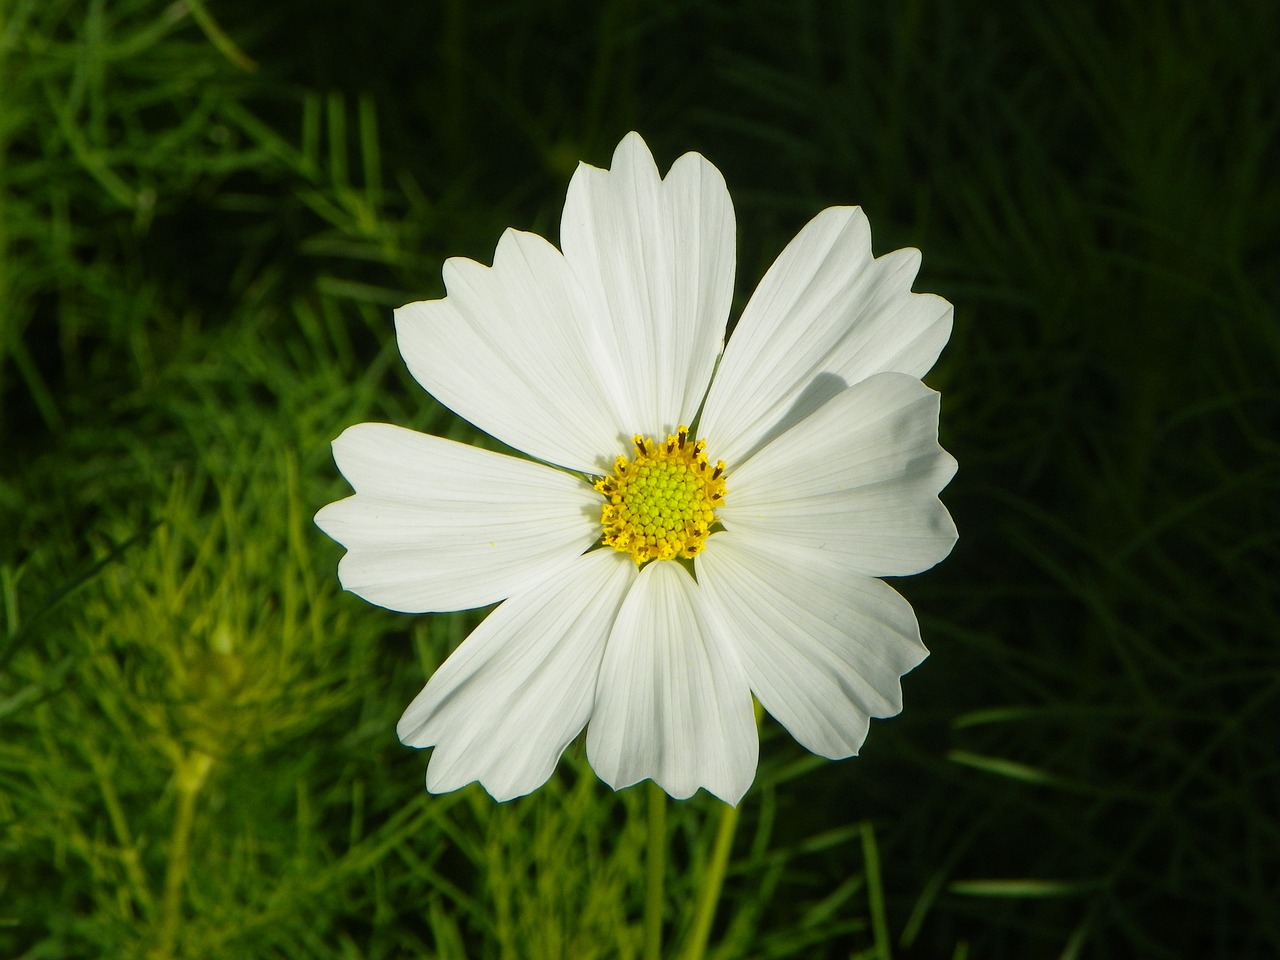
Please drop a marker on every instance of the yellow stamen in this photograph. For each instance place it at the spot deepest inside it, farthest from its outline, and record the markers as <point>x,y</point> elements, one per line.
<point>661,505</point>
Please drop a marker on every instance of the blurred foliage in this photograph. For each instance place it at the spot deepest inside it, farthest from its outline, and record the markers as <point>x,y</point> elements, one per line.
<point>206,209</point>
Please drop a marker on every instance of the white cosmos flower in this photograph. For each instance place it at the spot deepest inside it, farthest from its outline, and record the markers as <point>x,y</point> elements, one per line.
<point>813,469</point>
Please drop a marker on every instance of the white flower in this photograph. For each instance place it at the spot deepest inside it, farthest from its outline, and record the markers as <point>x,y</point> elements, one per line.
<point>813,469</point>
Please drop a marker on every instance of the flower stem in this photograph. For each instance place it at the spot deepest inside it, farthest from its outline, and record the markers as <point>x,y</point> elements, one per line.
<point>656,871</point>
<point>192,771</point>
<point>709,895</point>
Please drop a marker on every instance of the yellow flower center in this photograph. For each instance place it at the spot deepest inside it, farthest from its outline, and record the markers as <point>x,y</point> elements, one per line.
<point>661,505</point>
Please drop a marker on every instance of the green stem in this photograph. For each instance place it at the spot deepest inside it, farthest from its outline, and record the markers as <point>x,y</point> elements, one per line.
<point>221,42</point>
<point>124,837</point>
<point>656,871</point>
<point>192,772</point>
<point>709,895</point>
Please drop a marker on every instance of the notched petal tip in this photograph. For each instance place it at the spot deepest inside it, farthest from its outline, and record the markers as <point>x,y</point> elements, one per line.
<point>950,466</point>
<point>632,155</point>
<point>693,163</point>
<point>329,517</point>
<point>632,149</point>
<point>946,532</point>
<point>351,442</point>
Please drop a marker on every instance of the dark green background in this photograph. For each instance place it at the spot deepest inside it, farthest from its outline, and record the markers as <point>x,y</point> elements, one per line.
<point>1094,186</point>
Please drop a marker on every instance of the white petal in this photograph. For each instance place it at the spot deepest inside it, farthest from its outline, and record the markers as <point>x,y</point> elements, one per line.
<point>823,651</point>
<point>656,260</point>
<point>672,703</point>
<point>512,349</point>
<point>508,701</point>
<point>824,317</point>
<point>438,525</point>
<point>859,479</point>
